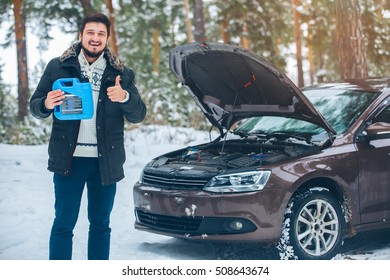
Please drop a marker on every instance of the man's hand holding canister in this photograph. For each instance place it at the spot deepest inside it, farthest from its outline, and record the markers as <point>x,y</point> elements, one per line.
<point>54,98</point>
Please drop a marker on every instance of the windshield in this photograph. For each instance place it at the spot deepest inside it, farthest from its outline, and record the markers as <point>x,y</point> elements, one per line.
<point>340,109</point>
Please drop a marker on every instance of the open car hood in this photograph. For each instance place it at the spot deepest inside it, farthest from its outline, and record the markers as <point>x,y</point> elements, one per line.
<point>229,83</point>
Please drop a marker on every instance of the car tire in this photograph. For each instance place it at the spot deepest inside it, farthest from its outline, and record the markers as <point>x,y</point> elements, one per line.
<point>313,226</point>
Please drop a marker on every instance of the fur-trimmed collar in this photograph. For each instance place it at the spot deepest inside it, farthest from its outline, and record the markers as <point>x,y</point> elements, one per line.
<point>75,49</point>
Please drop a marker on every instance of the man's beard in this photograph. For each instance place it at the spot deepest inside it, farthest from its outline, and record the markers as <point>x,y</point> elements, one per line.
<point>91,54</point>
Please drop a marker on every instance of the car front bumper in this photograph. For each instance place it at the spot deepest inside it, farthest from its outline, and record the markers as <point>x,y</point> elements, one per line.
<point>249,217</point>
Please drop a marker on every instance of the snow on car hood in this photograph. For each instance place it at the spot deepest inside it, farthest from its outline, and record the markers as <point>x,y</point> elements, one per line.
<point>229,83</point>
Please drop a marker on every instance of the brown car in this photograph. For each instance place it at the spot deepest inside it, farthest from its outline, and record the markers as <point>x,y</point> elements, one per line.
<point>302,169</point>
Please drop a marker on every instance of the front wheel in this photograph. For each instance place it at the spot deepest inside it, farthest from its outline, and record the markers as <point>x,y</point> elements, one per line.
<point>313,226</point>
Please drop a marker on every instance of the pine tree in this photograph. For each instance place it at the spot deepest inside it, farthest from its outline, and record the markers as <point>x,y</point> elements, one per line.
<point>350,38</point>
<point>21,47</point>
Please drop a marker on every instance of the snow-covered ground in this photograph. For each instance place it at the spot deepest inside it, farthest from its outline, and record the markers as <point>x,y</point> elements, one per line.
<point>26,210</point>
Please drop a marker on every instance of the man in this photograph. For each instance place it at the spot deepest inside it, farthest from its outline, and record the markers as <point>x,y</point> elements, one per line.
<point>89,151</point>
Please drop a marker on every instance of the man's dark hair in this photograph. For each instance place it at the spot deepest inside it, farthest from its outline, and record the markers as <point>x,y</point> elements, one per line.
<point>96,17</point>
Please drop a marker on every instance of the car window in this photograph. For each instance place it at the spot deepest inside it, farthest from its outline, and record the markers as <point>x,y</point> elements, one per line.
<point>272,124</point>
<point>340,108</point>
<point>384,116</point>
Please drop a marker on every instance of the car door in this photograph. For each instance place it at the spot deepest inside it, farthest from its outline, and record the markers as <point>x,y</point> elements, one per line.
<point>374,175</point>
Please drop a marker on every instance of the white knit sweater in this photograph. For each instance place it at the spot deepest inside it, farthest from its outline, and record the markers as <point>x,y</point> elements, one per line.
<point>87,141</point>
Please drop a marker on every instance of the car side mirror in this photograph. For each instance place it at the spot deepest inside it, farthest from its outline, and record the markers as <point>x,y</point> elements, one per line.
<point>378,130</point>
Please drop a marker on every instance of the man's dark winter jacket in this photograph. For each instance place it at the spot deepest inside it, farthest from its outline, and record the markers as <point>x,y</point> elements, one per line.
<point>109,115</point>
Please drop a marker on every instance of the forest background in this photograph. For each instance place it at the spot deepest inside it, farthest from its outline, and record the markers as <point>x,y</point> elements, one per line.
<point>326,39</point>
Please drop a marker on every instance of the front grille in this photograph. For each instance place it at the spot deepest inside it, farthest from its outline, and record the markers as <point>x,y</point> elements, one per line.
<point>169,223</point>
<point>192,226</point>
<point>175,182</point>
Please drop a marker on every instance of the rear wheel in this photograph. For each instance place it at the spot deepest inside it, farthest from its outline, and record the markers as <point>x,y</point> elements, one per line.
<point>313,226</point>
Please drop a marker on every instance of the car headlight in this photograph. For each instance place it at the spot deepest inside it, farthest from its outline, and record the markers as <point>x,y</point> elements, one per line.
<point>238,182</point>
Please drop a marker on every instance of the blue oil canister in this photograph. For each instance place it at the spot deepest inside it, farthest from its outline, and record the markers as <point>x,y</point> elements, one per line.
<point>78,102</point>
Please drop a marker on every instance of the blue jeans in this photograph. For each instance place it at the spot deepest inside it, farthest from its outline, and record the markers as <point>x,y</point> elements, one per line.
<point>68,194</point>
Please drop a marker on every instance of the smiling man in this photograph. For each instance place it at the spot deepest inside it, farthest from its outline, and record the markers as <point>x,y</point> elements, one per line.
<point>87,151</point>
<point>93,40</point>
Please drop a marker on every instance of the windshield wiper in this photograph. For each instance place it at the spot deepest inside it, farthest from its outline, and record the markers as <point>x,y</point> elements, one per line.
<point>278,135</point>
<point>241,133</point>
<point>260,134</point>
<point>286,136</point>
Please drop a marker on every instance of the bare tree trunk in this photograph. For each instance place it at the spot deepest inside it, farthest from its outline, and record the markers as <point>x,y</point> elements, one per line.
<point>245,38</point>
<point>310,53</point>
<point>310,56</point>
<point>87,6</point>
<point>188,21</point>
<point>350,40</point>
<point>379,9</point>
<point>156,47</point>
<point>21,49</point>
<point>224,30</point>
<point>320,77</point>
<point>200,33</point>
<point>298,43</point>
<point>113,44</point>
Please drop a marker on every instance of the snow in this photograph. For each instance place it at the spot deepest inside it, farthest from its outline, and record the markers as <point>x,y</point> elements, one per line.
<point>26,210</point>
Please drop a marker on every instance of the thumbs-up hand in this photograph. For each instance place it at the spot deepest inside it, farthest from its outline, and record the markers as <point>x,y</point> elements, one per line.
<point>116,93</point>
